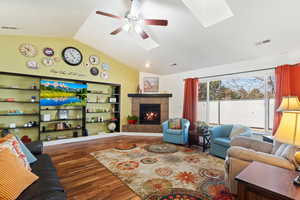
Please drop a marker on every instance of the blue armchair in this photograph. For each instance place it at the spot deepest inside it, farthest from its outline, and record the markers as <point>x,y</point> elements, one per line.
<point>222,135</point>
<point>176,136</point>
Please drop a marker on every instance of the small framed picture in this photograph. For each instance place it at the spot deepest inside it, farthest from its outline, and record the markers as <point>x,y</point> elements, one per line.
<point>151,84</point>
<point>112,100</point>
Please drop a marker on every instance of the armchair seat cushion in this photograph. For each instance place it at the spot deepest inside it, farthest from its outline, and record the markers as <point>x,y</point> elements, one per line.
<point>222,141</point>
<point>174,131</point>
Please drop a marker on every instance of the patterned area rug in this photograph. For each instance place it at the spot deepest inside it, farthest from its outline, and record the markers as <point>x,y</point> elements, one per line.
<point>165,171</point>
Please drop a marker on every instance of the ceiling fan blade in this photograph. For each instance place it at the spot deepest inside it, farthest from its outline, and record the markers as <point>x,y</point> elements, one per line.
<point>144,35</point>
<point>156,22</point>
<point>117,31</point>
<point>108,14</point>
<point>135,8</point>
<point>141,32</point>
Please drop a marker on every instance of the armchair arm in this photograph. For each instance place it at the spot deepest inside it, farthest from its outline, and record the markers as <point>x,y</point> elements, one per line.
<point>35,147</point>
<point>251,155</point>
<point>250,143</point>
<point>165,125</point>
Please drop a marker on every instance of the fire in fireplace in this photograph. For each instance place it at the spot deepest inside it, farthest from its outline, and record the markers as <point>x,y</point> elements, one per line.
<point>149,113</point>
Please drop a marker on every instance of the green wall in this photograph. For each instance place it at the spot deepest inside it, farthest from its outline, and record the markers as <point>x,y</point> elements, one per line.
<point>12,61</point>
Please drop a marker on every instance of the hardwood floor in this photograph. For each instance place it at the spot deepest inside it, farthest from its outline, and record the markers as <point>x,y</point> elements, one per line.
<point>83,177</point>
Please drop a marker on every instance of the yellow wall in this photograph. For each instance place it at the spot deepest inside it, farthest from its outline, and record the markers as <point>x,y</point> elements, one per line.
<point>12,61</point>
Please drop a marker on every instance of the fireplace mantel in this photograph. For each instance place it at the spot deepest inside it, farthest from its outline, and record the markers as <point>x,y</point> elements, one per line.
<point>150,95</point>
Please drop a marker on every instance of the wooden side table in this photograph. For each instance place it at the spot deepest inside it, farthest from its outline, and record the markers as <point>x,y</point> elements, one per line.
<point>194,139</point>
<point>266,182</point>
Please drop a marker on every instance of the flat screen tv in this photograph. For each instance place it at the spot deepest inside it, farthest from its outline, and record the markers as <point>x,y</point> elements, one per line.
<point>56,93</point>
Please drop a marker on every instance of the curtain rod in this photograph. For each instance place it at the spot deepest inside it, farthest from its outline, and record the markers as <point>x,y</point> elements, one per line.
<point>244,72</point>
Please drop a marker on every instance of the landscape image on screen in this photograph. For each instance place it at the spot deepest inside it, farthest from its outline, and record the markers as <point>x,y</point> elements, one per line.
<point>55,93</point>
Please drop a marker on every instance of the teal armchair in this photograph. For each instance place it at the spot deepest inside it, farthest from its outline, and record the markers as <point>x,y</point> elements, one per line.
<point>176,136</point>
<point>221,137</point>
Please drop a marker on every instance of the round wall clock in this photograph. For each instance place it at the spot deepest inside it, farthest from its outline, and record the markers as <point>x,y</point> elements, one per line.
<point>28,50</point>
<point>72,56</point>
<point>94,71</point>
<point>32,64</point>
<point>48,61</point>
<point>48,51</point>
<point>104,75</point>
<point>94,60</point>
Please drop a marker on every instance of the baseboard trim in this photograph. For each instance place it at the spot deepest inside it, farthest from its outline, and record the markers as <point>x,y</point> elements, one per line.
<point>94,137</point>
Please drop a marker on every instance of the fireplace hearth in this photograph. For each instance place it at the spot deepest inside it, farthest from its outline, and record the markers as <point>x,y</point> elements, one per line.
<point>149,114</point>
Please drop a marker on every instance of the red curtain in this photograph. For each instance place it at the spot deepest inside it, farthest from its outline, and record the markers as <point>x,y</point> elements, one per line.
<point>191,87</point>
<point>287,84</point>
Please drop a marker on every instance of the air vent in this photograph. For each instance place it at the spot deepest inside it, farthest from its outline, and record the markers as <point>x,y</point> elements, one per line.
<point>9,28</point>
<point>262,42</point>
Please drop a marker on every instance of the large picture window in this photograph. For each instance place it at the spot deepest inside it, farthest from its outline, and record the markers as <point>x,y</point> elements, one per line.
<point>244,100</point>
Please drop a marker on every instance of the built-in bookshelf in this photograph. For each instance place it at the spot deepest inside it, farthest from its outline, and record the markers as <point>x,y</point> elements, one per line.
<point>21,111</point>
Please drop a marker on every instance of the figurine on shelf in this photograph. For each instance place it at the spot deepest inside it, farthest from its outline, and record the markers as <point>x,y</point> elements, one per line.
<point>33,99</point>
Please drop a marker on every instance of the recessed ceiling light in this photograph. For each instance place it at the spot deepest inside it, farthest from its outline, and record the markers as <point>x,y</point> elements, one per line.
<point>148,65</point>
<point>9,28</point>
<point>262,42</point>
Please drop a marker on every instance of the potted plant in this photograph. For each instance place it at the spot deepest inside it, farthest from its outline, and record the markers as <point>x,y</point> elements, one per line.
<point>132,119</point>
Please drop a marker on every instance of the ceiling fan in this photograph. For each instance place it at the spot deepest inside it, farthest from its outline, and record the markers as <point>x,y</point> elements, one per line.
<point>133,20</point>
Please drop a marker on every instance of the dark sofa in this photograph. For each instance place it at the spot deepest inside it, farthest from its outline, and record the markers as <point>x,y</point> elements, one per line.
<point>47,187</point>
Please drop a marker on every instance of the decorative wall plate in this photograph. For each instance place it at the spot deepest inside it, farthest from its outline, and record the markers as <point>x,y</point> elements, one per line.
<point>72,56</point>
<point>94,71</point>
<point>48,51</point>
<point>48,61</point>
<point>105,67</point>
<point>28,50</point>
<point>32,64</point>
<point>94,60</point>
<point>104,75</point>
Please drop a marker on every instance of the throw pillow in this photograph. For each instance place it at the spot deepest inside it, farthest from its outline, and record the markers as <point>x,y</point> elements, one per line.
<point>12,143</point>
<point>30,157</point>
<point>14,177</point>
<point>175,123</point>
<point>237,130</point>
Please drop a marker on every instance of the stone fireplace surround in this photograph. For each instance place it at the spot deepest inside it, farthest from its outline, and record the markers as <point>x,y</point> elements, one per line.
<point>137,99</point>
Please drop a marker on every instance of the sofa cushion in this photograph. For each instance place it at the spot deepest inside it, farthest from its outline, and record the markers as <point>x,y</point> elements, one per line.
<point>222,141</point>
<point>174,131</point>
<point>14,177</point>
<point>48,184</point>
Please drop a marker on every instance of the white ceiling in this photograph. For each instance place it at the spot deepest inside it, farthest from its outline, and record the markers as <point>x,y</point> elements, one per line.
<point>185,41</point>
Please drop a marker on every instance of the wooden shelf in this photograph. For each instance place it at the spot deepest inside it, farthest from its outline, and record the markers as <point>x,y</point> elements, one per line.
<point>69,129</point>
<point>105,121</point>
<point>25,89</point>
<point>53,109</point>
<point>19,127</point>
<point>101,103</point>
<point>59,120</point>
<point>102,112</point>
<point>91,92</point>
<point>25,114</point>
<point>36,102</point>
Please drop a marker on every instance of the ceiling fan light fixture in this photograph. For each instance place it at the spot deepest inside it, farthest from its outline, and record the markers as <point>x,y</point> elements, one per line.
<point>209,12</point>
<point>127,27</point>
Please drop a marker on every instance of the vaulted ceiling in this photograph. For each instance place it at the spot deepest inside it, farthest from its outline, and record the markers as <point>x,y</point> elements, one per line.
<point>185,41</point>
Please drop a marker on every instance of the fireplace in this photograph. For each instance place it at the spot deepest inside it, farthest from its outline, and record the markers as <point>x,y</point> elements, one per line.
<point>150,114</point>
